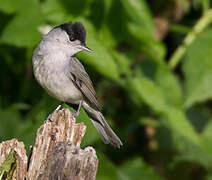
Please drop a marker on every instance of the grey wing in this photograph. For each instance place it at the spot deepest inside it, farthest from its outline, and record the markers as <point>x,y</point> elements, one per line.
<point>81,79</point>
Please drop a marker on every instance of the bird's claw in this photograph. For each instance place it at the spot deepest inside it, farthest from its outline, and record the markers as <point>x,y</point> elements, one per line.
<point>50,117</point>
<point>75,115</point>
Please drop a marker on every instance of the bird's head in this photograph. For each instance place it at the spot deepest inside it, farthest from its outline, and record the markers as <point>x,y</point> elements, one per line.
<point>70,36</point>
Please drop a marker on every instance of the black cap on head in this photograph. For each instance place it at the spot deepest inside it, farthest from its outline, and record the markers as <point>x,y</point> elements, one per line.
<point>76,31</point>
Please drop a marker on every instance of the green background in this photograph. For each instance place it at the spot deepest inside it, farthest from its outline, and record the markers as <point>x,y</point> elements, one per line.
<point>152,71</point>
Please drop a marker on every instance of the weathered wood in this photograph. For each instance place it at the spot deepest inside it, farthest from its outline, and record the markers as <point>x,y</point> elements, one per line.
<point>68,162</point>
<point>57,154</point>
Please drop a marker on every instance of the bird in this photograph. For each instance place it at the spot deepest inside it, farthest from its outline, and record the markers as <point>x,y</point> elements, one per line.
<point>57,69</point>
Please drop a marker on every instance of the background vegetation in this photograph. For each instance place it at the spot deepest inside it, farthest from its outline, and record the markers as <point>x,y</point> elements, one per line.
<point>152,70</point>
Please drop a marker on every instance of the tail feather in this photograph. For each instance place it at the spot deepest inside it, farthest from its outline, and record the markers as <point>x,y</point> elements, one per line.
<point>101,131</point>
<point>106,133</point>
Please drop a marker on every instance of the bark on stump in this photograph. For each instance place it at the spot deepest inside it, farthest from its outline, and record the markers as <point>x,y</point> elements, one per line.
<point>56,154</point>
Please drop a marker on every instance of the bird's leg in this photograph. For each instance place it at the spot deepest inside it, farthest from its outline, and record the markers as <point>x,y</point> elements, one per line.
<point>50,116</point>
<point>78,110</point>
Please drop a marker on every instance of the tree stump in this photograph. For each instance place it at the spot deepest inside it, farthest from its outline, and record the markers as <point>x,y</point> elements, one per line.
<point>56,154</point>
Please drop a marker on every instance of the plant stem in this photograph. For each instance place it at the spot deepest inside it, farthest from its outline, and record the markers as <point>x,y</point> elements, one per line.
<point>202,23</point>
<point>205,5</point>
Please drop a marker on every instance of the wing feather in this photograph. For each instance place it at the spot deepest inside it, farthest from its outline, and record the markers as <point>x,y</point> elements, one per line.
<point>82,81</point>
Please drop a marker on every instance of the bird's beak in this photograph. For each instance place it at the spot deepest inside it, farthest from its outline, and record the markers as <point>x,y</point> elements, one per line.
<point>85,48</point>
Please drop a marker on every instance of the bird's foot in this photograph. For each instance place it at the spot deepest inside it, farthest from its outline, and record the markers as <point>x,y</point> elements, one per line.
<point>50,116</point>
<point>75,115</point>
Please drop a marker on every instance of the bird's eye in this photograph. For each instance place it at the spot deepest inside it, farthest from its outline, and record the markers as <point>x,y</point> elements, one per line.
<point>71,39</point>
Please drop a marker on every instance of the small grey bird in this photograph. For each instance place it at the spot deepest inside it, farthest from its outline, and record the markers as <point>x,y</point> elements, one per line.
<point>61,74</point>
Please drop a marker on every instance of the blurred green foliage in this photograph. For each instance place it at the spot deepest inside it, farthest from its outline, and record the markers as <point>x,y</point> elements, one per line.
<point>156,88</point>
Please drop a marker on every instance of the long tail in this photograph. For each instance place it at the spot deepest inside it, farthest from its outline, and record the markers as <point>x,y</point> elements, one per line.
<point>106,133</point>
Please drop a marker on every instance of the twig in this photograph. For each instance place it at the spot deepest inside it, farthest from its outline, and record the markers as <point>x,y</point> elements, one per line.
<point>198,28</point>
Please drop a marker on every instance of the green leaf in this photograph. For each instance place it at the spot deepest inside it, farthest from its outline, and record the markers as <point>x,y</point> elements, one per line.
<point>148,92</point>
<point>152,95</point>
<point>208,130</point>
<point>208,177</point>
<point>206,139</point>
<point>193,154</point>
<point>197,68</point>
<point>8,6</point>
<point>123,63</point>
<point>104,33</point>
<point>145,42</point>
<point>137,169</point>
<point>180,124</point>
<point>10,121</point>
<point>147,121</point>
<point>106,169</point>
<point>54,11</point>
<point>201,153</point>
<point>191,147</point>
<point>22,30</point>
<point>8,166</point>
<point>139,12</point>
<point>169,86</point>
